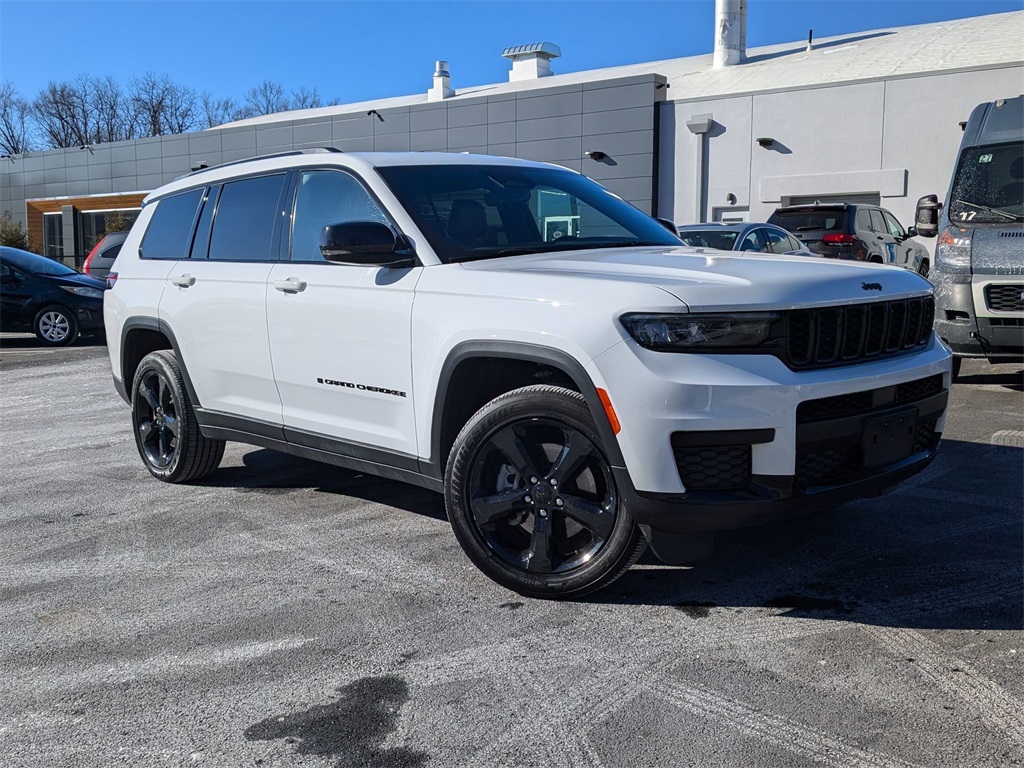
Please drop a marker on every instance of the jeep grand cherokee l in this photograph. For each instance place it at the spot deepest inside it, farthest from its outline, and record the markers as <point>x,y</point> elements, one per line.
<point>577,391</point>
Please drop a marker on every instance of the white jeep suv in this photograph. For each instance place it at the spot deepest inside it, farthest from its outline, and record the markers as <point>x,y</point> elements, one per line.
<point>576,382</point>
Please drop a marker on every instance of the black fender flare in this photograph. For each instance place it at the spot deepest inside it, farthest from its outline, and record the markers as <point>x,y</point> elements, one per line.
<point>155,324</point>
<point>515,350</point>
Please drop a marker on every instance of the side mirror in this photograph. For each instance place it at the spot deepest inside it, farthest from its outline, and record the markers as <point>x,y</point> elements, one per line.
<point>669,225</point>
<point>926,217</point>
<point>365,243</point>
<point>912,232</point>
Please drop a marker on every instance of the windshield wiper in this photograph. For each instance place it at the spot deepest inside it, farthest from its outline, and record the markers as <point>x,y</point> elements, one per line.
<point>990,209</point>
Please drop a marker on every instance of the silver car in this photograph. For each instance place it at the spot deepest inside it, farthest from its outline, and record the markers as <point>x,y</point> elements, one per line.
<point>743,236</point>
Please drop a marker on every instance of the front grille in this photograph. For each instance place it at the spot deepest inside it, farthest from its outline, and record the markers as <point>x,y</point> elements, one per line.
<point>1006,322</point>
<point>1012,234</point>
<point>925,437</point>
<point>818,338</point>
<point>833,407</point>
<point>713,468</point>
<point>1005,298</point>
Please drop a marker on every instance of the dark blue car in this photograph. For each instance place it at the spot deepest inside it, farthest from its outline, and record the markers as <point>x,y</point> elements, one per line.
<point>43,296</point>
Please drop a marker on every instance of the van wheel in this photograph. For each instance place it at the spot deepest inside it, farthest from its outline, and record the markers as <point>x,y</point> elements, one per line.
<point>56,326</point>
<point>166,432</point>
<point>531,496</point>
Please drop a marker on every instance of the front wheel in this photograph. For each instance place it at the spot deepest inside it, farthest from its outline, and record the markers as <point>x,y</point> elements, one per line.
<point>531,496</point>
<point>166,432</point>
<point>924,268</point>
<point>55,326</point>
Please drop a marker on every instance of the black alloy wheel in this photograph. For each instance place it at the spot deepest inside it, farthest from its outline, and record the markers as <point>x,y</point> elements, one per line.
<point>532,498</point>
<point>166,432</point>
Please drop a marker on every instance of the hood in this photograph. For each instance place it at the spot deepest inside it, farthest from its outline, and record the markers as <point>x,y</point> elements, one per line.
<point>708,280</point>
<point>997,249</point>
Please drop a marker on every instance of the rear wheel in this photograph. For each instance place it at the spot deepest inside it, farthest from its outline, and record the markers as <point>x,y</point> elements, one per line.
<point>957,362</point>
<point>531,496</point>
<point>55,326</point>
<point>166,432</point>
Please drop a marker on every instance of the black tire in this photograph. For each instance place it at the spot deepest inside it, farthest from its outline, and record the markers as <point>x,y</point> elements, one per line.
<point>55,326</point>
<point>166,432</point>
<point>532,500</point>
<point>957,362</point>
<point>924,269</point>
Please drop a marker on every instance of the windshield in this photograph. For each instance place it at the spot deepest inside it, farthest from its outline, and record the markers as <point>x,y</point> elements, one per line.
<point>470,212</point>
<point>35,264</point>
<point>989,185</point>
<point>723,241</point>
<point>829,219</point>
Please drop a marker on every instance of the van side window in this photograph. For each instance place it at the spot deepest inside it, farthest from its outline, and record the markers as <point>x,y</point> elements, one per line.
<point>243,225</point>
<point>170,229</point>
<point>328,197</point>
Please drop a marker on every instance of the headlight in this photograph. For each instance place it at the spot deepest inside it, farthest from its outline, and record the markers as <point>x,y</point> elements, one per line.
<point>684,333</point>
<point>84,290</point>
<point>953,252</point>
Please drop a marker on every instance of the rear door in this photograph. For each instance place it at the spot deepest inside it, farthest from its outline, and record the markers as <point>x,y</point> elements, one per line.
<point>215,301</point>
<point>908,252</point>
<point>340,335</point>
<point>886,243</point>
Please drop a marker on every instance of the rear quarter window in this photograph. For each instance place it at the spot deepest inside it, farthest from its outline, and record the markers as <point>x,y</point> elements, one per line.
<point>170,229</point>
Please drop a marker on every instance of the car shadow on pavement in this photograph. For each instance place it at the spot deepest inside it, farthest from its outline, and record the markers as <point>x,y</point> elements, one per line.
<point>943,552</point>
<point>268,471</point>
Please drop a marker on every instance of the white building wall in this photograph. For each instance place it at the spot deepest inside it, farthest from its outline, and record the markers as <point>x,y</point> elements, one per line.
<point>895,138</point>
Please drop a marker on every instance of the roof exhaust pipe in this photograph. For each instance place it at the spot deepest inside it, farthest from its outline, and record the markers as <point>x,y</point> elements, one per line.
<point>730,32</point>
<point>441,89</point>
<point>530,62</point>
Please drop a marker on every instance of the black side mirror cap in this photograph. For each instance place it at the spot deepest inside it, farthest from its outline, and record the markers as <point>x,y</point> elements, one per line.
<point>365,243</point>
<point>926,217</point>
<point>669,225</point>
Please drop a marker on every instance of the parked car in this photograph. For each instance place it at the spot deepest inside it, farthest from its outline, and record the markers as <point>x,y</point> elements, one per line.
<point>743,236</point>
<point>575,396</point>
<point>979,256</point>
<point>854,231</point>
<point>101,257</point>
<point>41,295</point>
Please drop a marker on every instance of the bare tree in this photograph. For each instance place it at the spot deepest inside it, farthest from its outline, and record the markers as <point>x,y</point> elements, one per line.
<point>64,113</point>
<point>306,98</point>
<point>162,106</point>
<point>219,111</point>
<point>113,114</point>
<point>265,99</point>
<point>14,121</point>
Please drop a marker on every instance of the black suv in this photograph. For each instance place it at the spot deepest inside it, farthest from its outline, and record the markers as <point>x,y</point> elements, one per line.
<point>854,231</point>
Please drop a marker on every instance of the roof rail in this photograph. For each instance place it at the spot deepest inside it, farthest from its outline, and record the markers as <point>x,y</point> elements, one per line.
<point>289,153</point>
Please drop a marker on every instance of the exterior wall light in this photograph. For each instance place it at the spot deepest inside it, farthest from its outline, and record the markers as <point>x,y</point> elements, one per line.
<point>765,141</point>
<point>375,112</point>
<point>596,155</point>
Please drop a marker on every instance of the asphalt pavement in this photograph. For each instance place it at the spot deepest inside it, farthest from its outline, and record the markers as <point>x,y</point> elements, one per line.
<point>285,613</point>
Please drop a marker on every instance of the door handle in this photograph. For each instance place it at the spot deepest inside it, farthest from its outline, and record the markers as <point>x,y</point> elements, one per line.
<point>291,285</point>
<point>183,281</point>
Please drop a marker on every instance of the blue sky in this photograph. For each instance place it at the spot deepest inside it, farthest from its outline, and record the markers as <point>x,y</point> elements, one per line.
<point>355,51</point>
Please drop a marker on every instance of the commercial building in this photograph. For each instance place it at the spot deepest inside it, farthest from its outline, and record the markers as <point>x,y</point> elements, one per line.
<point>873,116</point>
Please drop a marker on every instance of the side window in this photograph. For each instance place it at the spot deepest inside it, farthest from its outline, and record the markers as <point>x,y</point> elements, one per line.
<point>778,242</point>
<point>243,225</point>
<point>111,253</point>
<point>753,242</point>
<point>863,220</point>
<point>794,244</point>
<point>201,245</point>
<point>877,222</point>
<point>894,226</point>
<point>328,197</point>
<point>6,272</point>
<point>170,229</point>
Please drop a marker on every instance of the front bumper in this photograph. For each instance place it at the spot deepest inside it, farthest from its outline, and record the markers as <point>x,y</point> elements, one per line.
<point>970,327</point>
<point>764,441</point>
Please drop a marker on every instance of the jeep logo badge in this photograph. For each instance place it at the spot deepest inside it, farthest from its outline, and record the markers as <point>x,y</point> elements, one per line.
<point>871,286</point>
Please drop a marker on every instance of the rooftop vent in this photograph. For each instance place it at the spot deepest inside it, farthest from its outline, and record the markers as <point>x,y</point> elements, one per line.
<point>531,61</point>
<point>730,32</point>
<point>441,89</point>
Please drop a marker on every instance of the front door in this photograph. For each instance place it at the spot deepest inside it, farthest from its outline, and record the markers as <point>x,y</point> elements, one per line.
<point>340,335</point>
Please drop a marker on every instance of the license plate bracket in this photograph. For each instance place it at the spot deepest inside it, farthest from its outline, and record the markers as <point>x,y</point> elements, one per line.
<point>889,437</point>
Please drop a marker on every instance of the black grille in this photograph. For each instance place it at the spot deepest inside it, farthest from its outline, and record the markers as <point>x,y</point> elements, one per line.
<point>828,466</point>
<point>714,468</point>
<point>1004,298</point>
<point>835,335</point>
<point>925,437</point>
<point>1006,322</point>
<point>916,390</point>
<point>834,407</point>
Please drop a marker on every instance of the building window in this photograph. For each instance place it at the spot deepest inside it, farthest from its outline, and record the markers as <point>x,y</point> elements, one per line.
<point>94,224</point>
<point>53,235</point>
